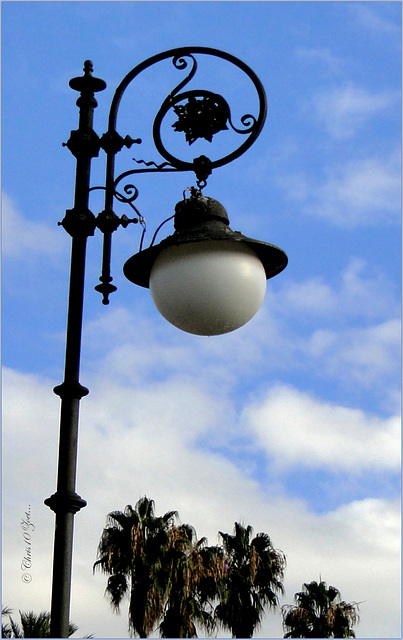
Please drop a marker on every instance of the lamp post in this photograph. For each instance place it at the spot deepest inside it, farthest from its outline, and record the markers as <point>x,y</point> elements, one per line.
<point>205,278</point>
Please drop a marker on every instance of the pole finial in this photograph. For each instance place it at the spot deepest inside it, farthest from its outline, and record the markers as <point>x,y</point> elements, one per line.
<point>87,82</point>
<point>88,67</point>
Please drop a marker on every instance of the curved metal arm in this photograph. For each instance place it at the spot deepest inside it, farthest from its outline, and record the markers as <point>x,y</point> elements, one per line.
<point>201,114</point>
<point>205,113</point>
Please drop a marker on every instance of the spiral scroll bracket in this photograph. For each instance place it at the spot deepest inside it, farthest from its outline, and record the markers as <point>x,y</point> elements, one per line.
<point>201,114</point>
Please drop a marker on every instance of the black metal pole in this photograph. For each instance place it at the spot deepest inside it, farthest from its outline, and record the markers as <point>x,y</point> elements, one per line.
<point>79,222</point>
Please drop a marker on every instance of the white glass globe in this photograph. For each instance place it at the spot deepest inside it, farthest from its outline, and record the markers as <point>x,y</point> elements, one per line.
<point>208,288</point>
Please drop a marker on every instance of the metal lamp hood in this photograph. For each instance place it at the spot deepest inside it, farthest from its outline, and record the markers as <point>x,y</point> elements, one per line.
<point>202,219</point>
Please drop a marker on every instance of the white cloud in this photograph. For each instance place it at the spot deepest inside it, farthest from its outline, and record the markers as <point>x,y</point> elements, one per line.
<point>348,330</point>
<point>312,296</point>
<point>369,356</point>
<point>23,239</point>
<point>143,442</point>
<point>362,192</point>
<point>376,21</point>
<point>322,56</point>
<point>296,429</point>
<point>357,534</point>
<point>360,293</point>
<point>344,110</point>
<point>367,291</point>
<point>356,193</point>
<point>214,362</point>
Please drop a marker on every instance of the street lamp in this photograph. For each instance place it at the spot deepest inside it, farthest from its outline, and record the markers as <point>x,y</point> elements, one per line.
<point>205,278</point>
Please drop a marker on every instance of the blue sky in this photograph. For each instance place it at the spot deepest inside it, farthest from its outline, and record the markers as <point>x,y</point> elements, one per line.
<point>290,424</point>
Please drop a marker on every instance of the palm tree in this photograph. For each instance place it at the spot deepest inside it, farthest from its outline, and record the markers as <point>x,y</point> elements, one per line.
<point>131,550</point>
<point>6,629</point>
<point>192,569</point>
<point>319,612</point>
<point>32,625</point>
<point>254,574</point>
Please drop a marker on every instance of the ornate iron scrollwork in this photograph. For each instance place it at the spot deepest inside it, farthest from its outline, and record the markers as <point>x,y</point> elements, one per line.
<point>201,114</point>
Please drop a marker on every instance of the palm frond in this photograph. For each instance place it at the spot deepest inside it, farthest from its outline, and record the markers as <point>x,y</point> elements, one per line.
<point>319,612</point>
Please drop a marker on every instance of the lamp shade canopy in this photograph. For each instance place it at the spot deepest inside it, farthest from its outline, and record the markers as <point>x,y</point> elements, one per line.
<point>206,279</point>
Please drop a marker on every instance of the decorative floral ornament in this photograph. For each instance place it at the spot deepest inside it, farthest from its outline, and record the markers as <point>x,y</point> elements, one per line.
<point>202,117</point>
